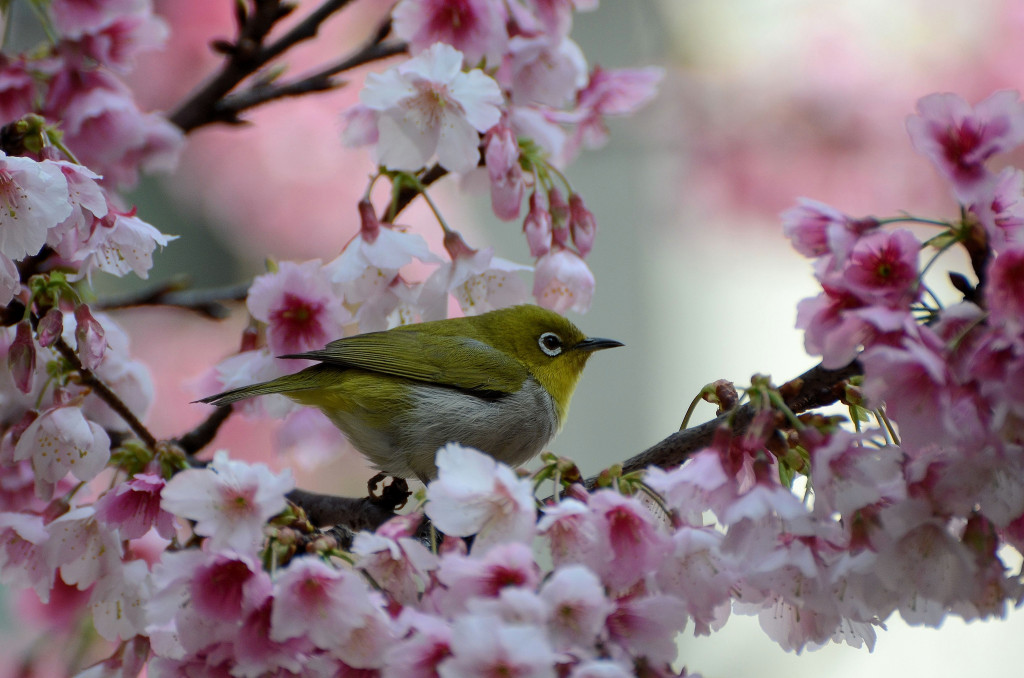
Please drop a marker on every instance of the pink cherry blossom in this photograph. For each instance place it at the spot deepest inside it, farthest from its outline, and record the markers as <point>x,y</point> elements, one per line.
<point>474,27</point>
<point>23,562</point>
<point>1000,209</point>
<point>73,18</point>
<point>631,534</point>
<point>334,609</point>
<point>359,126</point>
<point>1004,292</point>
<point>425,645</point>
<point>402,565</point>
<point>646,626</point>
<point>17,90</point>
<point>81,548</point>
<point>611,92</point>
<point>696,572</point>
<point>574,535</point>
<point>230,500</point>
<point>224,586</point>
<point>482,645</point>
<point>117,43</point>
<point>577,606</point>
<point>366,271</point>
<point>509,564</point>
<point>34,198</point>
<point>61,441</point>
<point>539,71</point>
<point>298,303</point>
<point>479,281</point>
<point>882,268</point>
<point>475,494</point>
<point>959,138</point>
<point>121,243</point>
<point>118,602</point>
<point>133,507</point>
<point>563,282</point>
<point>429,106</point>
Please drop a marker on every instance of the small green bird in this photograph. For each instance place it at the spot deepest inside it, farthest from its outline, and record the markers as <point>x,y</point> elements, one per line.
<point>500,382</point>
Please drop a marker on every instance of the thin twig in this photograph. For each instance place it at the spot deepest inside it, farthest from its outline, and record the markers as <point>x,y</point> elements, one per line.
<point>206,302</point>
<point>246,56</point>
<point>115,403</point>
<point>365,513</point>
<point>204,433</point>
<point>233,104</point>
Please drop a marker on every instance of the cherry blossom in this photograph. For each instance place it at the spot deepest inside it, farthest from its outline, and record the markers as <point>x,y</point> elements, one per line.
<point>229,500</point>
<point>300,307</point>
<point>563,282</point>
<point>133,507</point>
<point>475,494</point>
<point>474,27</point>
<point>429,106</point>
<point>61,441</point>
<point>958,138</point>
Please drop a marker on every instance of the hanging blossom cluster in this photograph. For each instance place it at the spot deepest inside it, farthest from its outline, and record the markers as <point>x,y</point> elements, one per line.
<point>506,70</point>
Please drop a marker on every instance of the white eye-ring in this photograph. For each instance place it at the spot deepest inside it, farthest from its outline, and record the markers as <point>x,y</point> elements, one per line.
<point>550,343</point>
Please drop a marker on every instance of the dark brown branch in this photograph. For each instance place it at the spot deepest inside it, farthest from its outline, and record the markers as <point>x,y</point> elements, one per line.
<point>115,403</point>
<point>815,388</point>
<point>206,302</point>
<point>356,514</point>
<point>204,433</point>
<point>246,56</point>
<point>233,104</point>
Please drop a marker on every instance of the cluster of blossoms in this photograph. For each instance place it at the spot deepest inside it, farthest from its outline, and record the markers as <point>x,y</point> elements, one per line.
<point>397,608</point>
<point>197,569</point>
<point>493,88</point>
<point>508,70</point>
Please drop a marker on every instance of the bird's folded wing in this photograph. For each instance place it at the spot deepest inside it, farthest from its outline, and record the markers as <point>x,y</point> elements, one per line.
<point>458,362</point>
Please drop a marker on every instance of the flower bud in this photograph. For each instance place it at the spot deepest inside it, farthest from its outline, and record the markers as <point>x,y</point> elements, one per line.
<point>582,225</point>
<point>537,226</point>
<point>92,341</point>
<point>559,217</point>
<point>501,154</point>
<point>21,357</point>
<point>50,327</point>
<point>369,224</point>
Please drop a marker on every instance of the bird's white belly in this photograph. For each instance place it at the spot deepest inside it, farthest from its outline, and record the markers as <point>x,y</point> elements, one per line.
<point>512,428</point>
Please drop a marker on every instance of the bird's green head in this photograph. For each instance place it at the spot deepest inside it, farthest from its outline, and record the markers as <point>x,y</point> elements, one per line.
<point>552,348</point>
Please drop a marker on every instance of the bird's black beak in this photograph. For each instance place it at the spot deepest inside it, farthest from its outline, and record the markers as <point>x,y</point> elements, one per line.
<point>595,344</point>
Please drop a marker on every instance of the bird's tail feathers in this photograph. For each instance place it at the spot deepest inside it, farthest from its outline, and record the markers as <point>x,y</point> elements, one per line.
<point>291,382</point>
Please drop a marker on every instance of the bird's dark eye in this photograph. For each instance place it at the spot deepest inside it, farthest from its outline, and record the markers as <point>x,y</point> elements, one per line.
<point>550,343</point>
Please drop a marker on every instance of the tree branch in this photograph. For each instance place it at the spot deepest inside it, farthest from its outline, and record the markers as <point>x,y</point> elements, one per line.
<point>205,302</point>
<point>201,435</point>
<point>103,391</point>
<point>814,388</point>
<point>247,55</point>
<point>407,194</point>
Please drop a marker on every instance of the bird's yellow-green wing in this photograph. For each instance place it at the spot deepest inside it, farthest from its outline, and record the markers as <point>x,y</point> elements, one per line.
<point>458,362</point>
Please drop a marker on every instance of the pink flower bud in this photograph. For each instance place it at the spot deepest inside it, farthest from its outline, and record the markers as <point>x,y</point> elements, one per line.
<point>50,327</point>
<point>502,158</point>
<point>456,246</point>
<point>537,226</point>
<point>369,224</point>
<point>559,217</point>
<point>582,224</point>
<point>92,341</point>
<point>21,357</point>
